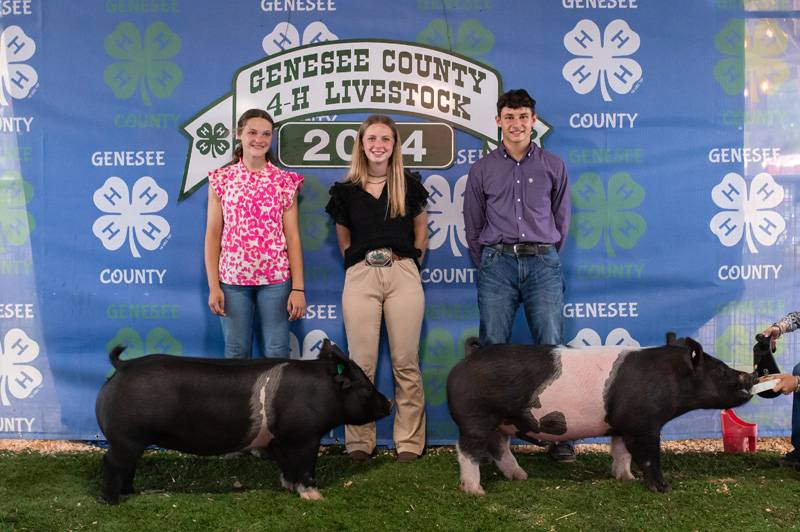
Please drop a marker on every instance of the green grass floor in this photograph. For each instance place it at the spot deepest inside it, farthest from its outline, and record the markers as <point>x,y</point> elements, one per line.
<point>719,491</point>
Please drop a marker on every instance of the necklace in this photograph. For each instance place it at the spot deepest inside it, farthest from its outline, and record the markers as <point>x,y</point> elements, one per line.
<point>379,179</point>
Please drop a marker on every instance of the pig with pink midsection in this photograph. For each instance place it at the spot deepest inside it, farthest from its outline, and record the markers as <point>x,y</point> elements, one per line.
<point>555,393</point>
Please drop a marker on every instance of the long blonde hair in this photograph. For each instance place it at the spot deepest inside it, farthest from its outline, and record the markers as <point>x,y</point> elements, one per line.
<point>395,174</point>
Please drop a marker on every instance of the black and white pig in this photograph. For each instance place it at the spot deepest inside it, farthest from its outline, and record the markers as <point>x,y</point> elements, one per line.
<point>213,406</point>
<point>555,393</point>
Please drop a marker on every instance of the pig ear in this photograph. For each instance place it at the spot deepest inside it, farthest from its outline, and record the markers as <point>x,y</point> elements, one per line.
<point>470,345</point>
<point>331,351</point>
<point>326,347</point>
<point>340,366</point>
<point>342,375</point>
<point>695,352</point>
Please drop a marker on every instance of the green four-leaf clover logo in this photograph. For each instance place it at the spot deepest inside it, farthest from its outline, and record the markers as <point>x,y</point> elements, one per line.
<point>440,354</point>
<point>472,39</point>
<point>609,217</point>
<point>159,340</point>
<point>16,223</point>
<point>313,220</point>
<point>753,63</point>
<point>142,64</point>
<point>213,140</point>
<point>735,346</point>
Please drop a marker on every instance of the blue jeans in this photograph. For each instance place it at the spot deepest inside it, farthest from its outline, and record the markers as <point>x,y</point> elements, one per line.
<point>505,281</point>
<point>796,414</point>
<point>237,325</point>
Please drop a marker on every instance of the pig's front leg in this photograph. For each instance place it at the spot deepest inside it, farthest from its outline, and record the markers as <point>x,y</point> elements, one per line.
<point>297,461</point>
<point>500,449</point>
<point>621,465</point>
<point>646,452</point>
<point>470,473</point>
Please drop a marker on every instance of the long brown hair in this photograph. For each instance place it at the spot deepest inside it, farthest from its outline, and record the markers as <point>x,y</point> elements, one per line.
<point>238,152</point>
<point>395,175</point>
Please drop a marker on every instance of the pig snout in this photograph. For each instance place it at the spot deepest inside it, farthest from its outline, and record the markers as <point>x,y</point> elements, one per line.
<point>746,381</point>
<point>377,406</point>
<point>386,407</point>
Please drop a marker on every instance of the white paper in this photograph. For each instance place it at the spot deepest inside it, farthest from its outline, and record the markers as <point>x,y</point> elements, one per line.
<point>763,386</point>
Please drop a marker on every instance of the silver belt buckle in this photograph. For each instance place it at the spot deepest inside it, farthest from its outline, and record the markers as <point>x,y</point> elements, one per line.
<point>381,257</point>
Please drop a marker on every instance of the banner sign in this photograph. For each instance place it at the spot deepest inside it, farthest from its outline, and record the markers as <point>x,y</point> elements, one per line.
<point>678,134</point>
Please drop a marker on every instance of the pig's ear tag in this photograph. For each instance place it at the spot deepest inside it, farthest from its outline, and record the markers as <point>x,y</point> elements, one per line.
<point>340,368</point>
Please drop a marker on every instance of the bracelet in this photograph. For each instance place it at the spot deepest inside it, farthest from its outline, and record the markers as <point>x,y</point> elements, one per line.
<point>797,384</point>
<point>298,290</point>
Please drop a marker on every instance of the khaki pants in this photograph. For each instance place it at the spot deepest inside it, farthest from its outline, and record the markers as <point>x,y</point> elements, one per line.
<point>394,292</point>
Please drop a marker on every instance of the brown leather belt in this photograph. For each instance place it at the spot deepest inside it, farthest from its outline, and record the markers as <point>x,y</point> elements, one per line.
<point>523,249</point>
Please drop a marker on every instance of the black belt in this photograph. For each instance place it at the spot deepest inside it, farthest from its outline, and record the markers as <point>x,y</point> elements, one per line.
<point>523,249</point>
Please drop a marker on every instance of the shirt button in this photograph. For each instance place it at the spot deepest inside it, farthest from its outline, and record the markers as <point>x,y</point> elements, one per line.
<point>523,234</point>
<point>519,217</point>
<point>530,180</point>
<point>517,199</point>
<point>517,164</point>
<point>518,181</point>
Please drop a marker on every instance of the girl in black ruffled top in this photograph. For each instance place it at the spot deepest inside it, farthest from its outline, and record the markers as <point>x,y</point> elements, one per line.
<point>382,229</point>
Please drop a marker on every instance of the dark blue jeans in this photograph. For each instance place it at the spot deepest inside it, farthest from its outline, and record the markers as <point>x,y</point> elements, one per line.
<point>505,281</point>
<point>796,414</point>
<point>240,307</point>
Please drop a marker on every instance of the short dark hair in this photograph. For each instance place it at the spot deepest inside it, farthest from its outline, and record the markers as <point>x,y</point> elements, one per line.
<point>514,99</point>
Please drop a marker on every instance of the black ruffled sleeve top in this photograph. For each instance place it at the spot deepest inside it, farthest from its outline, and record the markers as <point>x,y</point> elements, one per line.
<point>367,219</point>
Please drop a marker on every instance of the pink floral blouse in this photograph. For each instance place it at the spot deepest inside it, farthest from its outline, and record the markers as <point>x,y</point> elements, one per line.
<point>253,244</point>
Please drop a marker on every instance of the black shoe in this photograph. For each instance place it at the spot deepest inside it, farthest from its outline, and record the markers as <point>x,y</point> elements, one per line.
<point>790,459</point>
<point>563,452</point>
<point>359,456</point>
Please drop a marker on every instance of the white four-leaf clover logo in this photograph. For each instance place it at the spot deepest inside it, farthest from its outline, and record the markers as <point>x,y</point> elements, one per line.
<point>17,376</point>
<point>312,343</point>
<point>286,36</point>
<point>589,338</point>
<point>603,60</point>
<point>445,213</point>
<point>747,214</point>
<point>18,79</point>
<point>131,215</point>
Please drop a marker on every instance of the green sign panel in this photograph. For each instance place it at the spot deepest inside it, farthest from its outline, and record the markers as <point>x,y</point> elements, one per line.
<point>329,144</point>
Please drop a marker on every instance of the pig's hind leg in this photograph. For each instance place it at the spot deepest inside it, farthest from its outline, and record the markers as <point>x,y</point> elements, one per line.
<point>621,464</point>
<point>500,449</point>
<point>474,440</point>
<point>119,466</point>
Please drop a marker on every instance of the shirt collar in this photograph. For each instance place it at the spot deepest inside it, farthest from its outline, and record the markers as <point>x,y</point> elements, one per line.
<point>245,169</point>
<point>507,155</point>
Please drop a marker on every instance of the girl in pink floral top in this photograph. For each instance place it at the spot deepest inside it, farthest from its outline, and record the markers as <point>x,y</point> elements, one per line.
<point>252,246</point>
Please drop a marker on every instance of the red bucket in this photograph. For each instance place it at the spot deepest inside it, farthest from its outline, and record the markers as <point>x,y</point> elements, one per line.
<point>738,436</point>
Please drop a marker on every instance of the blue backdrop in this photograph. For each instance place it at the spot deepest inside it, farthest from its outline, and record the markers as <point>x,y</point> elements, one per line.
<point>678,131</point>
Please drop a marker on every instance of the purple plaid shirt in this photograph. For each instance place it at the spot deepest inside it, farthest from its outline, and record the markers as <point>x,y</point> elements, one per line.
<point>508,202</point>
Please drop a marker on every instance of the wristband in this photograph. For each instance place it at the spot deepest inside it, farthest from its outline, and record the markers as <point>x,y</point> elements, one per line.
<point>797,384</point>
<point>298,290</point>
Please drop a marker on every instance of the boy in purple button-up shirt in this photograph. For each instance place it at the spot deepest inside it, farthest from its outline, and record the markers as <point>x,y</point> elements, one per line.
<point>518,194</point>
